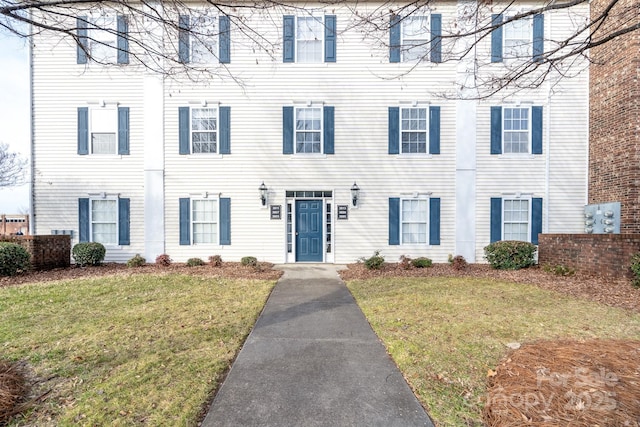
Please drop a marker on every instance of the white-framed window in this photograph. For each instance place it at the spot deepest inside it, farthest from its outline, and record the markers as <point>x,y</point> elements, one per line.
<point>413,130</point>
<point>516,129</point>
<point>516,217</point>
<point>103,130</point>
<point>103,37</point>
<point>308,129</point>
<point>204,221</point>
<point>309,39</point>
<point>413,221</point>
<point>415,36</point>
<point>204,39</point>
<point>104,221</point>
<point>518,38</point>
<point>204,130</point>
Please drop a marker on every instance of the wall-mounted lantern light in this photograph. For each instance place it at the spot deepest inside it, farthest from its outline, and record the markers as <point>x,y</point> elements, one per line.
<point>355,194</point>
<point>263,193</point>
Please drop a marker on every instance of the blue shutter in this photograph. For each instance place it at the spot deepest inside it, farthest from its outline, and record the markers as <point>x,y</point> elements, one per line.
<point>496,219</point>
<point>183,39</point>
<point>123,40</point>
<point>225,40</point>
<point>123,130</point>
<point>225,130</point>
<point>536,130</point>
<point>328,130</point>
<point>330,38</point>
<point>394,39</point>
<point>225,221</point>
<point>287,130</point>
<point>436,37</point>
<point>496,39</point>
<point>496,130</point>
<point>538,37</point>
<point>434,221</point>
<point>536,219</point>
<point>185,221</point>
<point>183,130</point>
<point>394,130</point>
<point>83,219</point>
<point>83,130</point>
<point>434,130</point>
<point>394,221</point>
<point>123,222</point>
<point>289,38</point>
<point>83,44</point>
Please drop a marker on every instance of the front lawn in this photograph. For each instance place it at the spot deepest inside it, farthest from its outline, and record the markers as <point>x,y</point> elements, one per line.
<point>447,334</point>
<point>123,350</point>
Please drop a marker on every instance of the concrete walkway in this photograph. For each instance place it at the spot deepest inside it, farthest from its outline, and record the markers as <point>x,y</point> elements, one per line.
<point>313,360</point>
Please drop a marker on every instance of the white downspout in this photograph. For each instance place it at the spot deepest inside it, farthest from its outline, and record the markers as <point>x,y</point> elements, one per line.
<point>547,172</point>
<point>32,169</point>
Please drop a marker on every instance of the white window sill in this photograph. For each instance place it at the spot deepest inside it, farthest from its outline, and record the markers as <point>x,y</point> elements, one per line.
<point>414,156</point>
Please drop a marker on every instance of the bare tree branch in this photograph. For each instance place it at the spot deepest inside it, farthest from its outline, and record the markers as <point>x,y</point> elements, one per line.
<point>12,168</point>
<point>462,40</point>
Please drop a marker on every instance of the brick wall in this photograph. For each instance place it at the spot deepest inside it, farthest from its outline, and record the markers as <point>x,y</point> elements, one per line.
<point>47,252</point>
<point>602,254</point>
<point>614,146</point>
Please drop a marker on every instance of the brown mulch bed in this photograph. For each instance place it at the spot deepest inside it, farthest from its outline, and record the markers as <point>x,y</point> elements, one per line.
<point>562,383</point>
<point>13,390</point>
<point>608,291</point>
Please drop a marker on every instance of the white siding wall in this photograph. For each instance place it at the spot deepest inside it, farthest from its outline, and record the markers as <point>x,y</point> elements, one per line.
<point>361,85</point>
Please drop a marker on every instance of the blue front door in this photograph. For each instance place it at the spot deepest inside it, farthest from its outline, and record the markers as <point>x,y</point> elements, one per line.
<point>309,230</point>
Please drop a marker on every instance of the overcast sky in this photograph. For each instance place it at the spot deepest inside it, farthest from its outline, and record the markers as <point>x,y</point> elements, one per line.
<point>14,113</point>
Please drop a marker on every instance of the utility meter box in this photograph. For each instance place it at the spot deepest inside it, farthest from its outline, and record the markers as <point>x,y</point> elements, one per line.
<point>603,218</point>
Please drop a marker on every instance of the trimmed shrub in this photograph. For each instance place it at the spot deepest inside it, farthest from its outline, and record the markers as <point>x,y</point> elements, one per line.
<point>136,261</point>
<point>215,261</point>
<point>422,262</point>
<point>635,269</point>
<point>249,261</point>
<point>510,254</point>
<point>459,263</point>
<point>88,253</point>
<point>375,262</point>
<point>163,260</point>
<point>405,262</point>
<point>194,262</point>
<point>559,270</point>
<point>14,259</point>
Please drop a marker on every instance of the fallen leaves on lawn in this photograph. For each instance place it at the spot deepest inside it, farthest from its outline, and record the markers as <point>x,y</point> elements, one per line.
<point>607,291</point>
<point>231,270</point>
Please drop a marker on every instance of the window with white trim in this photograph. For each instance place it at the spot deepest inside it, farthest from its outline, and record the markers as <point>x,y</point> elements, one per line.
<point>309,39</point>
<point>518,38</point>
<point>415,38</point>
<point>204,221</point>
<point>413,130</point>
<point>516,128</point>
<point>413,219</point>
<point>104,221</point>
<point>308,130</point>
<point>103,130</point>
<point>204,130</point>
<point>515,219</point>
<point>203,39</point>
<point>103,37</point>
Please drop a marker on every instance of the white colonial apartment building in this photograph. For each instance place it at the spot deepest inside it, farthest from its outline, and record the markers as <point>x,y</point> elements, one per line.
<point>260,154</point>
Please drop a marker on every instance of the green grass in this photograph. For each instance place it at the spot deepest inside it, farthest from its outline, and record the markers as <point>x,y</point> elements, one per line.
<point>446,333</point>
<point>132,350</point>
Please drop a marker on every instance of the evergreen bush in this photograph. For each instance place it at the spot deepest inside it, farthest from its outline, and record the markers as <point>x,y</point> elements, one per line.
<point>88,253</point>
